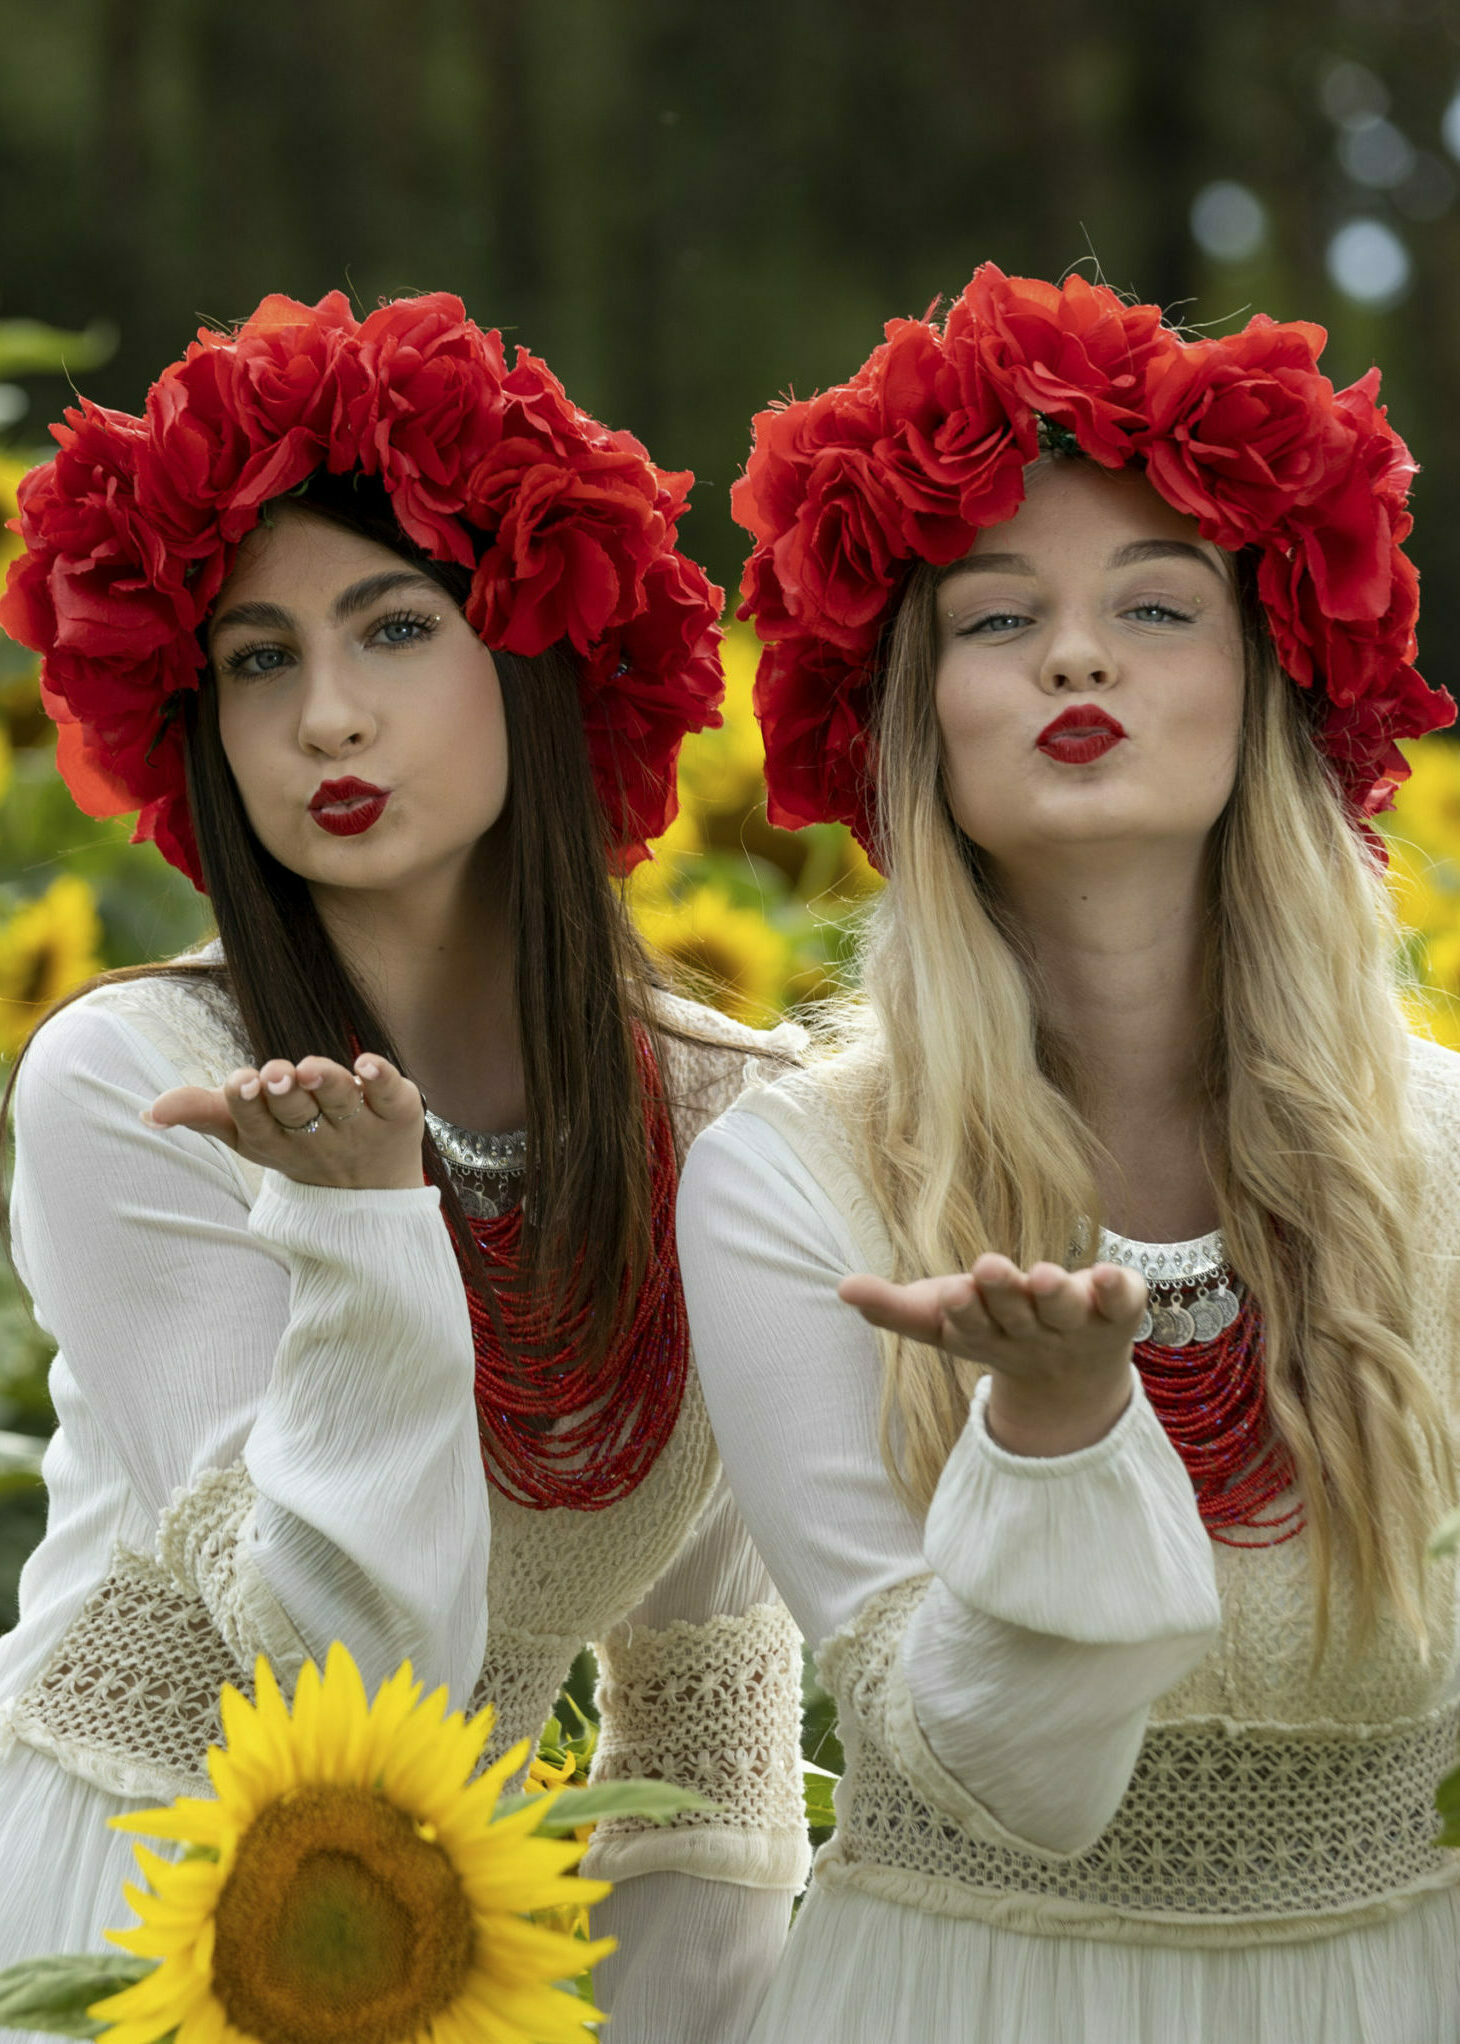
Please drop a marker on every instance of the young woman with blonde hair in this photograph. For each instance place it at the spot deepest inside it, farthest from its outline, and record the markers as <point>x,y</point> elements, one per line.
<point>1101,1278</point>
<point>356,1228</point>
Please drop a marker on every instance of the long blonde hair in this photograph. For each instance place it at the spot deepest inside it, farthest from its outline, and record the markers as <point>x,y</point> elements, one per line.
<point>963,1103</point>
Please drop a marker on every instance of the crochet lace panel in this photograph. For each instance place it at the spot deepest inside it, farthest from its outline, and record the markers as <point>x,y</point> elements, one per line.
<point>129,1699</point>
<point>521,1675</point>
<point>715,1708</point>
<point>204,1541</point>
<point>1221,1825</point>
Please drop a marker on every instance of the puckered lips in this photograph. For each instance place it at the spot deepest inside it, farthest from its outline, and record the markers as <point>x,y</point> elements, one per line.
<point>1079,734</point>
<point>345,808</point>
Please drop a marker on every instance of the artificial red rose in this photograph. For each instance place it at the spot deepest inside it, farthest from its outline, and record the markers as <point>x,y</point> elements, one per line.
<point>1347,658</point>
<point>241,419</point>
<point>1075,353</point>
<point>788,441</point>
<point>1350,538</point>
<point>537,408</point>
<point>762,597</point>
<point>1242,432</point>
<point>570,550</point>
<point>96,577</point>
<point>423,406</point>
<point>814,708</point>
<point>1361,738</point>
<point>841,561</point>
<point>645,687</point>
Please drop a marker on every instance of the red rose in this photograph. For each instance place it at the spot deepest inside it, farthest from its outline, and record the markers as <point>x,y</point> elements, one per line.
<point>571,545</point>
<point>1350,537</point>
<point>96,578</point>
<point>644,687</point>
<point>1242,432</point>
<point>538,408</point>
<point>422,406</point>
<point>241,419</point>
<point>814,708</point>
<point>1074,353</point>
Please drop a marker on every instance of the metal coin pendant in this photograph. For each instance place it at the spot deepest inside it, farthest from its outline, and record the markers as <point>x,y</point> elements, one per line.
<point>1143,1332</point>
<point>1171,1327</point>
<point>1206,1317</point>
<point>1227,1304</point>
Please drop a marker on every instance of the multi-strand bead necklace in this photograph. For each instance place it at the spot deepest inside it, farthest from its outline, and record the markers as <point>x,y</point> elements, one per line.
<point>1200,1352</point>
<point>556,1434</point>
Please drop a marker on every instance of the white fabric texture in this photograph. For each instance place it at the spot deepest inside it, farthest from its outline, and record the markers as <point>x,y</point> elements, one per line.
<point>1048,1616</point>
<point>267,1441</point>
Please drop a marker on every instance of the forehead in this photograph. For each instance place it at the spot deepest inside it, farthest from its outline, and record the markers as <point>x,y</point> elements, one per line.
<point>298,556</point>
<point>1073,504</point>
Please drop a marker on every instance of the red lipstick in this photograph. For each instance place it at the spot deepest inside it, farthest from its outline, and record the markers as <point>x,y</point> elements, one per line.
<point>1080,734</point>
<point>345,808</point>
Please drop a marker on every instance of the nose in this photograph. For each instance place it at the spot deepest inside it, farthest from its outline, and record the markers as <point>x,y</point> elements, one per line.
<point>334,718</point>
<point>1077,656</point>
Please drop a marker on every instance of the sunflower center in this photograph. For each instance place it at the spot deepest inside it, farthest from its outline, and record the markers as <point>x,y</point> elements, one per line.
<point>338,1922</point>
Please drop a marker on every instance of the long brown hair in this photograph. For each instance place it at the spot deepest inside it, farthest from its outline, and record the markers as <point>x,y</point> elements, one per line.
<point>584,984</point>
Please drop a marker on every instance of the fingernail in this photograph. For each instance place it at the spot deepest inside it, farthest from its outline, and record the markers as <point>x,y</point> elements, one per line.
<point>249,1090</point>
<point>280,1085</point>
<point>309,1085</point>
<point>148,1120</point>
<point>368,1069</point>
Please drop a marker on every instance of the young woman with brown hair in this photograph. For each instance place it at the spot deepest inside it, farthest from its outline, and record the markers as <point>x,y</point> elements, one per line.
<point>355,1228</point>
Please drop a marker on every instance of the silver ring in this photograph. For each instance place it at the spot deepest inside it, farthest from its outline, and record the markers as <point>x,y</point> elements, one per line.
<point>301,1128</point>
<point>339,1120</point>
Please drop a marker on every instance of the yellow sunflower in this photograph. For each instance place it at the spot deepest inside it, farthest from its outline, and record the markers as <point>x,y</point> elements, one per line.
<point>729,955</point>
<point>351,1884</point>
<point>47,947</point>
<point>722,771</point>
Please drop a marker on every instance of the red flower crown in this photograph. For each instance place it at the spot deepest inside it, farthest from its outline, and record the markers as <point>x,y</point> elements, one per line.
<point>927,444</point>
<point>569,528</point>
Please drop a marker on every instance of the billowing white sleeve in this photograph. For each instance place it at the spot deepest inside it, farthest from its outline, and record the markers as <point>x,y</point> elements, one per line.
<point>701,1685</point>
<point>288,1389</point>
<point>1064,1594</point>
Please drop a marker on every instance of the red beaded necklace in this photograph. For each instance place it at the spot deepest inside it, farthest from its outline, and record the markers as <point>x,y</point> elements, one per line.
<point>556,1435</point>
<point>1211,1397</point>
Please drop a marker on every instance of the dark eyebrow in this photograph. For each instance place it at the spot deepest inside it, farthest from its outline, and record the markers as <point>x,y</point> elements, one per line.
<point>271,617</point>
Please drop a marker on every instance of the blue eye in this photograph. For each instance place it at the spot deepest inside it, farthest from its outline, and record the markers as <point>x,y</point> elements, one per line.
<point>996,621</point>
<point>269,658</point>
<point>404,628</point>
<point>1158,612</point>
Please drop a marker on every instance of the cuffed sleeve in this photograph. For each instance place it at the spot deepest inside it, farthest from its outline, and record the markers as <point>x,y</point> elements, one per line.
<point>288,1388</point>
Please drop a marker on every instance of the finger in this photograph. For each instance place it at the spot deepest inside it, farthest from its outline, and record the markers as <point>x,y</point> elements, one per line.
<point>964,1312</point>
<point>1057,1300</point>
<point>196,1107</point>
<point>912,1309</point>
<point>1118,1294</point>
<point>387,1093</point>
<point>289,1104</point>
<point>337,1094</point>
<point>1004,1290</point>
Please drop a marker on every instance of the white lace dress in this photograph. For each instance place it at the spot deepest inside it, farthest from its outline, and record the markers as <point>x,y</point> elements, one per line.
<point>268,1440</point>
<point>1044,1690</point>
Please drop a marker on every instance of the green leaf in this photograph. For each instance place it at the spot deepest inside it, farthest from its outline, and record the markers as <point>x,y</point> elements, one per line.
<point>1445,1539</point>
<point>658,1801</point>
<point>817,1785</point>
<point>53,1995</point>
<point>29,349</point>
